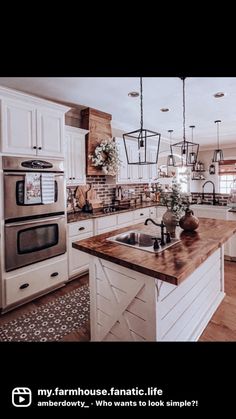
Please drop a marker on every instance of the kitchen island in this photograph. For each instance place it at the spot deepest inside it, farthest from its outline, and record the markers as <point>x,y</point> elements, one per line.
<point>137,295</point>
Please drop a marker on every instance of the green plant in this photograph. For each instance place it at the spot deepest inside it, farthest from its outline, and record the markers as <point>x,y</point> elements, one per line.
<point>174,200</point>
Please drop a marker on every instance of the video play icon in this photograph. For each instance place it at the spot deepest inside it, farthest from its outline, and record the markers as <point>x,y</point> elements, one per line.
<point>21,397</point>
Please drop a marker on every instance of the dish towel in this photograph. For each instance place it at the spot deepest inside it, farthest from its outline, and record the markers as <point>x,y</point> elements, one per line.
<point>48,188</point>
<point>32,189</point>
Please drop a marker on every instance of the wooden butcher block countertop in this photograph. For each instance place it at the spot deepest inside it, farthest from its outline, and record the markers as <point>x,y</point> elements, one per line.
<point>172,265</point>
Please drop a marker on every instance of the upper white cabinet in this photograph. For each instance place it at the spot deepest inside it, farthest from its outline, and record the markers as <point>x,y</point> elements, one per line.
<point>75,155</point>
<point>31,126</point>
<point>129,173</point>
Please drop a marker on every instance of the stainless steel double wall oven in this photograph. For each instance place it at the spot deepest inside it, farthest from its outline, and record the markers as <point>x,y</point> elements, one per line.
<point>35,228</point>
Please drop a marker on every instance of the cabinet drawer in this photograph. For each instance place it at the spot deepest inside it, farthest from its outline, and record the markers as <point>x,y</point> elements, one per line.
<point>161,211</point>
<point>152,212</point>
<point>127,217</point>
<point>106,222</point>
<point>19,287</point>
<point>78,261</point>
<point>142,213</point>
<point>80,227</point>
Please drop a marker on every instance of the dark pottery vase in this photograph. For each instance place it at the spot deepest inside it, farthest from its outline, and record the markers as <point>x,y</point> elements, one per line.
<point>189,222</point>
<point>170,220</point>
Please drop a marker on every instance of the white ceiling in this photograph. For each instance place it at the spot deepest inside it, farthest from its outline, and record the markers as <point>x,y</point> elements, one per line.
<point>111,95</point>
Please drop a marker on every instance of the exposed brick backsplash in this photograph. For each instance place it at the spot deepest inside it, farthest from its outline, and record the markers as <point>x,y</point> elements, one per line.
<point>106,191</point>
<point>208,197</point>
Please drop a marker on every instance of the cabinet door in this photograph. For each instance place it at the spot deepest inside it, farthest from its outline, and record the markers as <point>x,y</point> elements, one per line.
<point>78,159</point>
<point>152,168</point>
<point>122,176</point>
<point>78,261</point>
<point>68,153</point>
<point>50,132</point>
<point>18,130</point>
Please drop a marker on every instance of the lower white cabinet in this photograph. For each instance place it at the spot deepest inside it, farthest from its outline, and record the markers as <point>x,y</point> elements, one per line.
<point>161,211</point>
<point>141,214</point>
<point>34,279</point>
<point>105,224</point>
<point>78,262</point>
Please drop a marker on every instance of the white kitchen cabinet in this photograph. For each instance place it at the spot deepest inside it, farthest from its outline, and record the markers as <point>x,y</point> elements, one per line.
<point>78,262</point>
<point>161,211</point>
<point>230,249</point>
<point>30,125</point>
<point>26,283</point>
<point>105,224</point>
<point>129,173</point>
<point>153,212</point>
<point>141,214</point>
<point>75,156</point>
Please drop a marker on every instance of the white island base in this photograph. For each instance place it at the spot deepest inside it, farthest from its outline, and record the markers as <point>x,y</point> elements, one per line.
<point>129,306</point>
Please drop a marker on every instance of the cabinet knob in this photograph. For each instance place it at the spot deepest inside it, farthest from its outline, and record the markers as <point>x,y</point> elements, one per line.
<point>81,228</point>
<point>34,147</point>
<point>40,148</point>
<point>26,285</point>
<point>73,178</point>
<point>141,214</point>
<point>54,274</point>
<point>70,178</point>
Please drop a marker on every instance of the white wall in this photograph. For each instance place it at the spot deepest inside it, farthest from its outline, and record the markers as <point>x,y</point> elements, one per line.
<point>206,157</point>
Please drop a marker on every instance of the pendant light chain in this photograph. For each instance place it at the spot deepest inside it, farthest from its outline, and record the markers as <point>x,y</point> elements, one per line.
<point>141,102</point>
<point>184,108</point>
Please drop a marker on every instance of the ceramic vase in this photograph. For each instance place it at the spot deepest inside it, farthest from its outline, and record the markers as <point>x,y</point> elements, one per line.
<point>189,222</point>
<point>170,220</point>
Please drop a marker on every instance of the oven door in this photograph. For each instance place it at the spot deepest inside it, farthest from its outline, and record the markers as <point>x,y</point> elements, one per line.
<point>14,206</point>
<point>29,242</point>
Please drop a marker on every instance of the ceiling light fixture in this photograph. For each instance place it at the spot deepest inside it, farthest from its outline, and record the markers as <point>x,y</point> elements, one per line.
<point>218,153</point>
<point>136,143</point>
<point>219,94</point>
<point>133,94</point>
<point>170,157</point>
<point>186,151</point>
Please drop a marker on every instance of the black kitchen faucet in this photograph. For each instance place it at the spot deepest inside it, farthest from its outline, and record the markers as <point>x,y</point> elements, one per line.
<point>163,234</point>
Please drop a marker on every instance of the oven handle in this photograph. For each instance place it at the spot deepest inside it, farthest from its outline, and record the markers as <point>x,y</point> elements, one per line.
<point>34,221</point>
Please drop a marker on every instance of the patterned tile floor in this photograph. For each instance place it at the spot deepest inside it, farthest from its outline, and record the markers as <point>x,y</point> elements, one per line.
<point>51,321</point>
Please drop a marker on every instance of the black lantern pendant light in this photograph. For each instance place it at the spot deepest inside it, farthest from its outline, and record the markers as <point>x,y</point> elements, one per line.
<point>192,154</point>
<point>170,158</point>
<point>137,142</point>
<point>218,153</point>
<point>186,150</point>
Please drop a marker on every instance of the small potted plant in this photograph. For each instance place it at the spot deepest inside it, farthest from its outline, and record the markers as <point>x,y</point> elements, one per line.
<point>175,206</point>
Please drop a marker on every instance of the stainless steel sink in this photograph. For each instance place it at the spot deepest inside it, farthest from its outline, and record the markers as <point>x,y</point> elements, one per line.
<point>140,240</point>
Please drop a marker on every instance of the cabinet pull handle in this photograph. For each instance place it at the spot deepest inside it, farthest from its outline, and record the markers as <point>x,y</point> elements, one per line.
<point>24,286</point>
<point>141,213</point>
<point>34,147</point>
<point>54,274</point>
<point>81,228</point>
<point>40,148</point>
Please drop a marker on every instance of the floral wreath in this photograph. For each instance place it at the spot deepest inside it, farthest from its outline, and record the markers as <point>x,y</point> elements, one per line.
<point>106,156</point>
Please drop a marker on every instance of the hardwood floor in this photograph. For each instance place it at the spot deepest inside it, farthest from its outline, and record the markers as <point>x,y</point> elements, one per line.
<point>222,326</point>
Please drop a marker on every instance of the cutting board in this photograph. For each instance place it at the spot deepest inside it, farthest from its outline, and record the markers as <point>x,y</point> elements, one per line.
<point>91,194</point>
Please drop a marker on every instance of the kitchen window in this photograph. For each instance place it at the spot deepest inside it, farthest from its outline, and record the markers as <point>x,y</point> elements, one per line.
<point>227,175</point>
<point>226,183</point>
<point>183,178</point>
